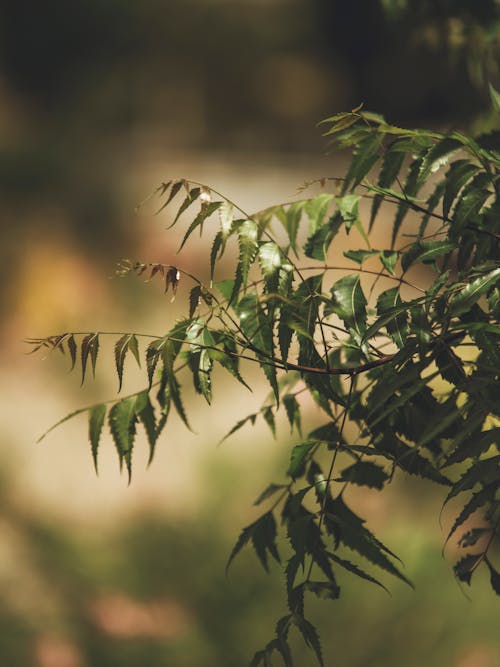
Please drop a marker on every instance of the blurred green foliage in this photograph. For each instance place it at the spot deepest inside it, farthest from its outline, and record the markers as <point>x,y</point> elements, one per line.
<point>153,594</point>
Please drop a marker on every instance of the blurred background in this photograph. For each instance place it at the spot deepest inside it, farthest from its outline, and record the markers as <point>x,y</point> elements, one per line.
<point>100,101</point>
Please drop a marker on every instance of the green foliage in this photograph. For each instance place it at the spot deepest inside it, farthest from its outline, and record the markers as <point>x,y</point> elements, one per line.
<point>382,348</point>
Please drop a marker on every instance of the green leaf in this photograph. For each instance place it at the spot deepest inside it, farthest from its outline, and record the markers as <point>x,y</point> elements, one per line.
<point>292,411</point>
<point>269,259</point>
<point>389,259</point>
<point>72,350</point>
<point>96,422</point>
<point>410,190</point>
<point>354,569</point>
<point>249,418</point>
<point>391,166</point>
<point>355,536</point>
<point>349,302</point>
<point>298,458</point>
<point>121,348</point>
<point>471,293</point>
<point>348,209</point>
<point>434,158</point>
<point>175,394</point>
<point>247,238</point>
<point>122,420</point>
<point>456,177</point>
<point>494,574</point>
<point>465,567</point>
<point>268,492</point>
<point>359,256</point>
<point>316,209</point>
<point>310,635</point>
<point>477,500</point>
<point>318,243</point>
<point>192,196</point>
<point>486,471</point>
<point>495,101</point>
<point>366,155</point>
<point>393,314</point>
<point>194,299</point>
<point>90,347</point>
<point>425,252</point>
<point>217,247</point>
<point>472,198</point>
<point>205,212</point>
<point>226,217</point>
<point>365,473</point>
<point>146,414</point>
<point>291,221</point>
<point>262,533</point>
<point>153,353</point>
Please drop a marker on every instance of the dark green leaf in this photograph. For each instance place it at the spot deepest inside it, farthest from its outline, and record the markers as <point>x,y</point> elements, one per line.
<point>365,473</point>
<point>298,458</point>
<point>425,252</point>
<point>349,302</point>
<point>97,415</point>
<point>90,347</point>
<point>472,292</point>
<point>268,492</point>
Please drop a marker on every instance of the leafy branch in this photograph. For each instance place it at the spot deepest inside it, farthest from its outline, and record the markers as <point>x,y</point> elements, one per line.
<point>414,404</point>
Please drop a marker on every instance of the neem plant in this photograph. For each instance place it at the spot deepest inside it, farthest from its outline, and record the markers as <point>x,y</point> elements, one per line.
<point>376,338</point>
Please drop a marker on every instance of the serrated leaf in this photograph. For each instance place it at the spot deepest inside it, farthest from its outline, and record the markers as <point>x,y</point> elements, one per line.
<point>355,536</point>
<point>146,414</point>
<point>434,157</point>
<point>292,411</point>
<point>388,259</point>
<point>465,567</point>
<point>366,155</point>
<point>316,209</point>
<point>425,252</point>
<point>471,293</point>
<point>122,420</point>
<point>269,258</point>
<point>216,252</point>
<point>349,302</point>
<point>191,197</point>
<point>249,418</point>
<point>226,217</point>
<point>348,209</point>
<point>494,574</point>
<point>310,635</point>
<point>153,353</point>
<point>72,347</point>
<point>365,473</point>
<point>194,299</point>
<point>456,177</point>
<point>391,166</point>
<point>318,243</point>
<point>354,569</point>
<point>205,212</point>
<point>61,421</point>
<point>291,221</point>
<point>298,457</point>
<point>268,492</point>
<point>326,590</point>
<point>410,190</point>
<point>121,348</point>
<point>177,185</point>
<point>485,471</point>
<point>262,533</point>
<point>96,422</point>
<point>359,256</point>
<point>90,347</point>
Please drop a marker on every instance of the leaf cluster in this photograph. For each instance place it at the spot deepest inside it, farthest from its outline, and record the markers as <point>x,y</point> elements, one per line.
<point>400,342</point>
